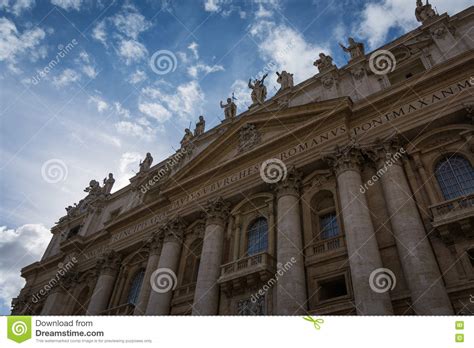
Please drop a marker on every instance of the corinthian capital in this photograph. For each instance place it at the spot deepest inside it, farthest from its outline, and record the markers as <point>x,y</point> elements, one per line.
<point>216,211</point>
<point>290,185</point>
<point>109,262</point>
<point>173,230</point>
<point>343,159</point>
<point>154,244</point>
<point>386,153</point>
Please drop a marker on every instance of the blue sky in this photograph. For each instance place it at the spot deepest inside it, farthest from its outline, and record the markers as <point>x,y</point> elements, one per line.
<point>78,89</point>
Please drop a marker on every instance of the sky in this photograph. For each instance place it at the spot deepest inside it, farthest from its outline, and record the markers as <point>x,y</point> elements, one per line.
<point>88,87</point>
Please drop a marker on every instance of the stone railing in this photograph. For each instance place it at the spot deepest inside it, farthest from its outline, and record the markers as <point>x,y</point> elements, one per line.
<point>185,290</point>
<point>124,309</point>
<point>458,204</point>
<point>261,259</point>
<point>330,244</point>
<point>238,275</point>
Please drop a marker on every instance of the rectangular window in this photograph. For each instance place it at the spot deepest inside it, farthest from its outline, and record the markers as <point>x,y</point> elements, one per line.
<point>328,227</point>
<point>332,288</point>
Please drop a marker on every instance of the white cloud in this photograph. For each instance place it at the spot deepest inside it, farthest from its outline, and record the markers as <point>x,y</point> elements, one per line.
<point>120,110</point>
<point>378,18</point>
<point>195,69</point>
<point>131,22</point>
<point>16,6</point>
<point>99,33</point>
<point>90,71</point>
<point>131,51</point>
<point>212,5</point>
<point>67,77</point>
<point>134,129</point>
<point>155,110</point>
<point>242,95</point>
<point>100,103</point>
<point>19,247</point>
<point>68,4</point>
<point>193,47</point>
<point>186,101</point>
<point>127,159</point>
<point>137,77</point>
<point>283,48</point>
<point>13,43</point>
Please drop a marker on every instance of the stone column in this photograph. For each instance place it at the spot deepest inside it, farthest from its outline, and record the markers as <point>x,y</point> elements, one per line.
<point>107,267</point>
<point>164,280</point>
<point>291,286</point>
<point>154,250</point>
<point>206,296</point>
<point>428,293</point>
<point>362,247</point>
<point>54,302</point>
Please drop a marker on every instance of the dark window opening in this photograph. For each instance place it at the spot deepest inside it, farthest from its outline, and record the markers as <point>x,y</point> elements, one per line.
<point>470,253</point>
<point>332,288</point>
<point>74,231</point>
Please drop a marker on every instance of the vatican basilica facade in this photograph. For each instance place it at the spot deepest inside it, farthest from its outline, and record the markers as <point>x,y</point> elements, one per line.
<point>351,192</point>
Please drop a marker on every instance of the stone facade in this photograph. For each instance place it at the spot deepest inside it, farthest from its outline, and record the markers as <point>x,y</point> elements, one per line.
<point>327,198</point>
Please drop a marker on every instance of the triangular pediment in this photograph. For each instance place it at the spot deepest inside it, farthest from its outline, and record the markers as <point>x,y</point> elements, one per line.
<point>252,132</point>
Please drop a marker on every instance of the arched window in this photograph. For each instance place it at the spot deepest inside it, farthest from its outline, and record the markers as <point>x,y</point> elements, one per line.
<point>134,291</point>
<point>325,223</point>
<point>257,236</point>
<point>455,176</point>
<point>328,226</point>
<point>191,267</point>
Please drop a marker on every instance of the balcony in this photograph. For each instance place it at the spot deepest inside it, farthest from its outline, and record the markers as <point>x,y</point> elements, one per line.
<point>247,272</point>
<point>327,245</point>
<point>453,216</point>
<point>124,309</point>
<point>184,293</point>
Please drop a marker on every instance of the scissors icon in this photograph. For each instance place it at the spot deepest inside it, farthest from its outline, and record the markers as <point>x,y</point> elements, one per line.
<point>316,322</point>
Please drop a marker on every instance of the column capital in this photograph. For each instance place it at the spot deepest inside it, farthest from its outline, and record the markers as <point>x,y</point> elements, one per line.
<point>289,185</point>
<point>173,230</point>
<point>109,263</point>
<point>154,244</point>
<point>216,211</point>
<point>344,159</point>
<point>386,153</point>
